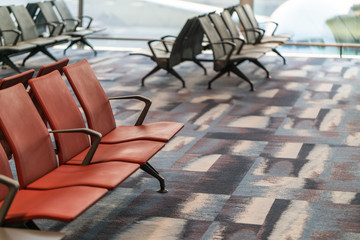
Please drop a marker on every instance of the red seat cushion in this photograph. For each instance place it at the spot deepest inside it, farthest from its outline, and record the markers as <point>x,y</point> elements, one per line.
<point>107,175</point>
<point>135,152</point>
<point>62,204</point>
<point>159,131</point>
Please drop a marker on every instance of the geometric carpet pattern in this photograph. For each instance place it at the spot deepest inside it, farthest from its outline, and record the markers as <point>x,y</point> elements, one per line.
<point>281,162</point>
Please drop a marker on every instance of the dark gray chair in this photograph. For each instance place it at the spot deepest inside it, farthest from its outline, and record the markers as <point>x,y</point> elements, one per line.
<point>225,35</point>
<point>167,57</point>
<point>72,26</point>
<point>255,24</point>
<point>10,40</point>
<point>253,35</point>
<point>30,34</point>
<point>224,60</point>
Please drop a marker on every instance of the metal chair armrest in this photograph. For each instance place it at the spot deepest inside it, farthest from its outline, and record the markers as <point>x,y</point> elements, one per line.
<point>17,32</point>
<point>95,143</point>
<point>90,19</point>
<point>145,110</point>
<point>13,187</point>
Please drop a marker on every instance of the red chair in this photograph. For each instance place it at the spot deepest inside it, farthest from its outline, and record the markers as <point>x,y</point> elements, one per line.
<point>18,78</point>
<point>99,114</point>
<point>52,67</point>
<point>62,112</point>
<point>6,83</point>
<point>34,155</point>
<point>21,207</point>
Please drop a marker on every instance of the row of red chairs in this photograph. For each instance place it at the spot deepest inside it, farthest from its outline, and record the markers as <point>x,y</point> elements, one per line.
<point>62,187</point>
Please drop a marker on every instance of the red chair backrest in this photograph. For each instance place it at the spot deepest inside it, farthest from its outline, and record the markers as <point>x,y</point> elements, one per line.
<point>4,170</point>
<point>91,96</point>
<point>52,67</point>
<point>62,112</point>
<point>27,135</point>
<point>6,83</point>
<point>23,78</point>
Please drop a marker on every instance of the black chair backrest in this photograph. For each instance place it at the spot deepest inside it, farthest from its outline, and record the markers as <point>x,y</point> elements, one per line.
<point>177,48</point>
<point>7,25</point>
<point>250,33</point>
<point>212,36</point>
<point>25,22</point>
<point>192,45</point>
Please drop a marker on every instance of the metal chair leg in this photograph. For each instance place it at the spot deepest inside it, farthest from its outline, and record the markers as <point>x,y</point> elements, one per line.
<point>150,170</point>
<point>157,68</point>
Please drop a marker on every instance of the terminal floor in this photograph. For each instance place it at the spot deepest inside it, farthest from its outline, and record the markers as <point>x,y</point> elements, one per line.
<point>281,162</point>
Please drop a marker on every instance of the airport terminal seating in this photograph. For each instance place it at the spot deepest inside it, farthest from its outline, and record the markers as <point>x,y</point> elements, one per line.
<point>224,59</point>
<point>97,109</point>
<point>222,32</point>
<point>11,40</point>
<point>72,26</point>
<point>280,38</point>
<point>83,172</point>
<point>19,207</point>
<point>255,36</point>
<point>37,167</point>
<point>30,34</point>
<point>168,54</point>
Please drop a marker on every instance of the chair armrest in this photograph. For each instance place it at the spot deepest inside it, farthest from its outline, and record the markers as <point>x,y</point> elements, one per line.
<point>53,25</point>
<point>77,22</point>
<point>90,19</point>
<point>13,187</point>
<point>164,43</point>
<point>239,39</point>
<point>230,52</point>
<point>167,36</point>
<point>145,110</point>
<point>17,32</point>
<point>257,32</point>
<point>95,143</point>
<point>152,49</point>
<point>271,22</point>
<point>233,46</point>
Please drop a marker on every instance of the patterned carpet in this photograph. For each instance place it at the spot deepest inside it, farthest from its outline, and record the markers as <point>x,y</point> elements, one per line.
<point>278,163</point>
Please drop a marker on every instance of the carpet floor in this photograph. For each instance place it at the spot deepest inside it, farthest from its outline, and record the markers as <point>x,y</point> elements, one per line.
<point>281,162</point>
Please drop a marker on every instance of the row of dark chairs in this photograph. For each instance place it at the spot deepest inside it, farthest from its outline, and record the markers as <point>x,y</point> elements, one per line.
<point>219,33</point>
<point>62,188</point>
<point>26,30</point>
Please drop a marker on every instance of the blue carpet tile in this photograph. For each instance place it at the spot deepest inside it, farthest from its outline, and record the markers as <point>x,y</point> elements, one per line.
<point>281,162</point>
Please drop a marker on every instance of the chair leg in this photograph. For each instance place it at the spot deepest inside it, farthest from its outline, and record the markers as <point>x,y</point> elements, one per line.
<point>235,70</point>
<point>83,40</point>
<point>278,53</point>
<point>174,73</point>
<point>32,53</point>
<point>47,53</point>
<point>150,170</point>
<point>70,45</point>
<point>200,65</point>
<point>31,225</point>
<point>216,77</point>
<point>259,64</point>
<point>24,225</point>
<point>6,60</point>
<point>155,69</point>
